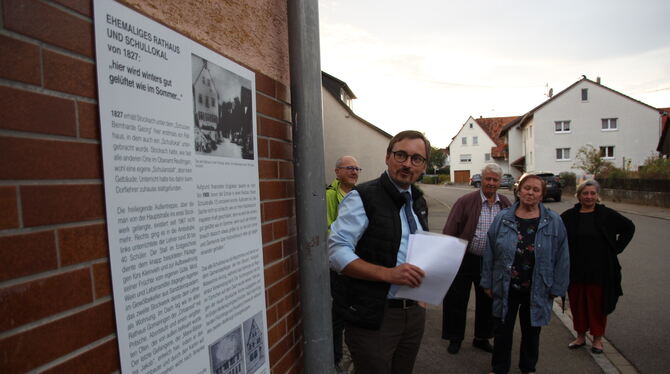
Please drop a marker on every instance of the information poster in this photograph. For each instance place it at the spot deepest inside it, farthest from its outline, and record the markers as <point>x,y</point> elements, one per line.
<point>180,164</point>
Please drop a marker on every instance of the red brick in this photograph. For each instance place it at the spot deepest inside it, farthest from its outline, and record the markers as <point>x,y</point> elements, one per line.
<point>88,120</point>
<point>29,349</point>
<point>276,333</point>
<point>22,158</point>
<point>19,61</point>
<point>263,150</point>
<point>51,204</point>
<point>66,74</point>
<point>31,301</point>
<point>272,253</point>
<point>280,229</point>
<point>277,209</point>
<point>83,243</point>
<point>279,350</point>
<point>270,190</point>
<point>266,232</point>
<point>49,24</point>
<point>285,170</point>
<point>81,6</point>
<point>265,84</point>
<point>101,359</point>
<point>283,93</point>
<point>27,254</point>
<point>33,112</point>
<point>288,361</point>
<point>9,211</point>
<point>281,150</point>
<point>102,280</point>
<point>282,288</point>
<point>274,129</point>
<point>273,108</point>
<point>276,272</point>
<point>267,169</point>
<point>290,245</point>
<point>288,304</point>
<point>271,315</point>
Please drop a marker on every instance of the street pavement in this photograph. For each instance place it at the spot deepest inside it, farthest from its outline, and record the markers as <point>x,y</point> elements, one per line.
<point>555,357</point>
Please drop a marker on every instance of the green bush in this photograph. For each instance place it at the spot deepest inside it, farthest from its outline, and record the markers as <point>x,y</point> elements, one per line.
<point>655,167</point>
<point>445,178</point>
<point>430,179</point>
<point>568,181</point>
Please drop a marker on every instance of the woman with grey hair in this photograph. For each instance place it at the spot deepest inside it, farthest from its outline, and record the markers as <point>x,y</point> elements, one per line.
<point>596,235</point>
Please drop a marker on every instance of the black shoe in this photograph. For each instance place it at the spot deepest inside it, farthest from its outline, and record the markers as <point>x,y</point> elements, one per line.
<point>482,344</point>
<point>596,350</point>
<point>454,346</point>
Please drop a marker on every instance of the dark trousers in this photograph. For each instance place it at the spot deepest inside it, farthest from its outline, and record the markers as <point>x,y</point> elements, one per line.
<point>393,348</point>
<point>338,319</point>
<point>519,302</point>
<point>455,304</point>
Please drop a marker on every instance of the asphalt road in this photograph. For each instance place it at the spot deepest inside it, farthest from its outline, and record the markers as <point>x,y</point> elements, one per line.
<point>640,326</point>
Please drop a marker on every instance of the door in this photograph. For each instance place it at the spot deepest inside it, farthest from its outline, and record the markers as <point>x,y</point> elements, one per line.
<point>462,176</point>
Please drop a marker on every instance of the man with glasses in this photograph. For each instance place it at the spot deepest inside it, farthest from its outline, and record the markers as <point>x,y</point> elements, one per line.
<point>346,176</point>
<point>368,245</point>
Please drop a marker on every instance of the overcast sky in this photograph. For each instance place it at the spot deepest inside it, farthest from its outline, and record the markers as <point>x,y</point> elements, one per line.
<point>429,65</point>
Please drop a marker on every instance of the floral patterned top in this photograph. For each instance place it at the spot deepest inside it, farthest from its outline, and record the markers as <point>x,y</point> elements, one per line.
<point>524,258</point>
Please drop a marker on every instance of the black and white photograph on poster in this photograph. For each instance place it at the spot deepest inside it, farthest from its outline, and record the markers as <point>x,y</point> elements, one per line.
<point>225,354</point>
<point>254,352</point>
<point>223,122</point>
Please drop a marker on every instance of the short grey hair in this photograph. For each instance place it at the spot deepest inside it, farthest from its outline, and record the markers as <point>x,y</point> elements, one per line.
<point>492,168</point>
<point>340,161</point>
<point>587,183</point>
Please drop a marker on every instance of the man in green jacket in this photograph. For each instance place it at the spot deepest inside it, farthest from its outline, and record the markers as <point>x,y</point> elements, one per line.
<point>346,176</point>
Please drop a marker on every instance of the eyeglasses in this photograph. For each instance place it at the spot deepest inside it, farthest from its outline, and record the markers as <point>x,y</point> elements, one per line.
<point>351,168</point>
<point>401,156</point>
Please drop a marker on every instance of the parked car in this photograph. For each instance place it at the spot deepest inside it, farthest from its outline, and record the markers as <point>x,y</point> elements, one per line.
<point>476,180</point>
<point>507,181</point>
<point>553,189</point>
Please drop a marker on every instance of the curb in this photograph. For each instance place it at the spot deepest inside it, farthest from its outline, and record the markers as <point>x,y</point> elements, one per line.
<point>611,361</point>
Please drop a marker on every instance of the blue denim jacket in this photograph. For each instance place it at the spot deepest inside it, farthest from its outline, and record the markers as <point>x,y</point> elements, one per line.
<point>551,274</point>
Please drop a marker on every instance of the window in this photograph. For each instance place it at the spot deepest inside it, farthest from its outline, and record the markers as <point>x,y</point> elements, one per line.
<point>471,125</point>
<point>475,140</point>
<point>561,126</point>
<point>487,157</point>
<point>562,154</point>
<point>200,98</point>
<point>609,124</point>
<point>607,152</point>
<point>466,158</point>
<point>585,94</point>
<point>464,140</point>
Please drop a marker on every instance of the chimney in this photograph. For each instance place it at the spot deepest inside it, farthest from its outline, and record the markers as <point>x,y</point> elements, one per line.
<point>598,80</point>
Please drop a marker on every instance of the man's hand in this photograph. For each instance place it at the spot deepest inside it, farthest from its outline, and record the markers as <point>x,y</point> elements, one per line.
<point>405,275</point>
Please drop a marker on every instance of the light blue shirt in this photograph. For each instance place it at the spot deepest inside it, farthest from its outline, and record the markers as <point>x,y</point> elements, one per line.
<point>350,225</point>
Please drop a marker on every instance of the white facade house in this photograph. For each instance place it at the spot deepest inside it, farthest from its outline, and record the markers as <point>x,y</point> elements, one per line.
<point>347,134</point>
<point>476,144</point>
<point>587,113</point>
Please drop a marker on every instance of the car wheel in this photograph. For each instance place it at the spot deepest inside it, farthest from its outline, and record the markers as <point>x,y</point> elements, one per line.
<point>478,184</point>
<point>557,198</point>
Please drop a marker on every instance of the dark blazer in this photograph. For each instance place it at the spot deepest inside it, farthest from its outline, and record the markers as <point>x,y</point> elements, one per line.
<point>616,231</point>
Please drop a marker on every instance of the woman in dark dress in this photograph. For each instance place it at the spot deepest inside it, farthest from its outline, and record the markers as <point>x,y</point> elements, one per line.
<point>596,235</point>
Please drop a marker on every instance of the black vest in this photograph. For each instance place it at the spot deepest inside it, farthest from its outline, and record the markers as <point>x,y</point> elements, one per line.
<point>363,303</point>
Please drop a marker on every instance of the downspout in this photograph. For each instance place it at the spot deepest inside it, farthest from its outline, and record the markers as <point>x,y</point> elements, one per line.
<point>308,156</point>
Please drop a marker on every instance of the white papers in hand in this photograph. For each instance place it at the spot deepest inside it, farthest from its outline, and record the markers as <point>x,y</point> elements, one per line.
<point>439,256</point>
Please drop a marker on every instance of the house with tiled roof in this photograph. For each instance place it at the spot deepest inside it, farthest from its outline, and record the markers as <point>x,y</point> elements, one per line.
<point>548,137</point>
<point>477,143</point>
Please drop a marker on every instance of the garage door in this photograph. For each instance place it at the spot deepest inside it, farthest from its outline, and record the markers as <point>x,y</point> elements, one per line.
<point>461,176</point>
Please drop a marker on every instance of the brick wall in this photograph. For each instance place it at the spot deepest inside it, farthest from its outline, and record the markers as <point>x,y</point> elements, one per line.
<point>56,306</point>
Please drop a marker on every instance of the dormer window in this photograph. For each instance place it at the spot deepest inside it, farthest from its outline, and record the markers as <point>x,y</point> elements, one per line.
<point>346,99</point>
<point>585,94</point>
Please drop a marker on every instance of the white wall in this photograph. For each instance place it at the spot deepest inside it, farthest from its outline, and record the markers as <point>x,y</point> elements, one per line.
<point>456,148</point>
<point>346,135</point>
<point>636,137</point>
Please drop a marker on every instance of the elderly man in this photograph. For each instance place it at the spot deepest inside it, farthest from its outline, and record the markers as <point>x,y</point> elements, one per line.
<point>368,244</point>
<point>470,219</point>
<point>346,176</point>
